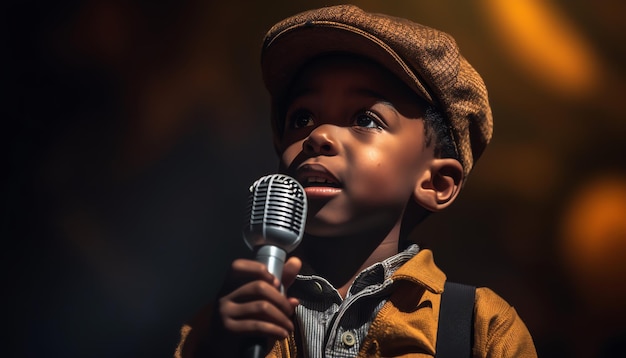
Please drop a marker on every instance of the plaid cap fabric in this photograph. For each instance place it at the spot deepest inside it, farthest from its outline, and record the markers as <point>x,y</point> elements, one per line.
<point>426,59</point>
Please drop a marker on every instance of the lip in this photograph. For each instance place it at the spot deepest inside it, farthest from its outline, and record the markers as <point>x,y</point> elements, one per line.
<point>318,182</point>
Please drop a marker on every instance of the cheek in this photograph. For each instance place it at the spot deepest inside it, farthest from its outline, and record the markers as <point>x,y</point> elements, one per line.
<point>383,162</point>
<point>381,175</point>
<point>290,153</point>
<point>375,158</point>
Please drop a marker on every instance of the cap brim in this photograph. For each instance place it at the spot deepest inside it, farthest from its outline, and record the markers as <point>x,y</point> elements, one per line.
<point>289,50</point>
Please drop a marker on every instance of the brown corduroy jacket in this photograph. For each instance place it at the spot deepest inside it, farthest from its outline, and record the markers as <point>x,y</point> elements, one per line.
<point>406,326</point>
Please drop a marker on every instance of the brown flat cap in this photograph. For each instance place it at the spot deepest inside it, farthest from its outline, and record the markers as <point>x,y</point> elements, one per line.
<point>426,59</point>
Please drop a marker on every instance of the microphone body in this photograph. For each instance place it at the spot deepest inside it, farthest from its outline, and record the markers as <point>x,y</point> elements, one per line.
<point>273,227</point>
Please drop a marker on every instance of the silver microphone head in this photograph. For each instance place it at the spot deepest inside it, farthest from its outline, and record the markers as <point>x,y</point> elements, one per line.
<point>276,213</point>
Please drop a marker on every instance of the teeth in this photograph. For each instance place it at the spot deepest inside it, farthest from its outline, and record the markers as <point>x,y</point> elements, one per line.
<point>318,180</point>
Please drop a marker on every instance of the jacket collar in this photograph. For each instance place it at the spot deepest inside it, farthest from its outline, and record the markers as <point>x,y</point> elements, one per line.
<point>421,270</point>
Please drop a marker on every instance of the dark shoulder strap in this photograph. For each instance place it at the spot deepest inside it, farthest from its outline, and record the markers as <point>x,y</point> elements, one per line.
<point>455,335</point>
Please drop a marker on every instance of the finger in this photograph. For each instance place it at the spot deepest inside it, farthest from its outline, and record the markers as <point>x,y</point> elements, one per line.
<point>256,328</point>
<point>244,269</point>
<point>290,270</point>
<point>260,291</point>
<point>257,311</point>
<point>294,302</point>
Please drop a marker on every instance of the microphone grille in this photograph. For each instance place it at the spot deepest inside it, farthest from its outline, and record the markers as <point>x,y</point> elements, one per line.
<point>276,212</point>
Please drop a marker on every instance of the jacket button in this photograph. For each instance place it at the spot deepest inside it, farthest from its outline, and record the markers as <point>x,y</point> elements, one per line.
<point>348,339</point>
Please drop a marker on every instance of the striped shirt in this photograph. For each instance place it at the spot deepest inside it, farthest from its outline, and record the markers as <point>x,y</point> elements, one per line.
<point>332,327</point>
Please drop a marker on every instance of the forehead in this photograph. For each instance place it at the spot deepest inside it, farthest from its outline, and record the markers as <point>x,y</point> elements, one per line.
<point>354,72</point>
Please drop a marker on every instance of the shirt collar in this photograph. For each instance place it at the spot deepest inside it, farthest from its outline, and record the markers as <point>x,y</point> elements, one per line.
<point>374,274</point>
<point>384,270</point>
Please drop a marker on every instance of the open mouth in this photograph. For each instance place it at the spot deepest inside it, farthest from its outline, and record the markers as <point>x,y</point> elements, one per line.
<point>319,181</point>
<point>316,176</point>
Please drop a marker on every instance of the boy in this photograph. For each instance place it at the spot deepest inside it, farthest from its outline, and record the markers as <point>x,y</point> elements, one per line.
<point>381,120</point>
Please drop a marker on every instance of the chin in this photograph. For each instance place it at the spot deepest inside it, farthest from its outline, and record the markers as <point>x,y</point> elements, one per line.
<point>321,227</point>
<point>325,228</point>
<point>335,221</point>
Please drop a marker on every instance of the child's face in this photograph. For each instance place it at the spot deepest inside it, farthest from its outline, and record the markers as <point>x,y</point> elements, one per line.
<point>354,138</point>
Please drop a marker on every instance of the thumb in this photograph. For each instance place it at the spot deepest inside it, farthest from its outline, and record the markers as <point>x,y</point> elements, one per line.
<point>290,270</point>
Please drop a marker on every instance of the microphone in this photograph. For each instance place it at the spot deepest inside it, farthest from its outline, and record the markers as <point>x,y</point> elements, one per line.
<point>274,226</point>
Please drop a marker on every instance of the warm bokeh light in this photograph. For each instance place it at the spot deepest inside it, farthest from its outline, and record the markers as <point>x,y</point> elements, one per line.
<point>594,242</point>
<point>542,42</point>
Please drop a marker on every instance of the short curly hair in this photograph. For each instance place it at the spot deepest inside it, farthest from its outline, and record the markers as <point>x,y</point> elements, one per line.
<point>437,129</point>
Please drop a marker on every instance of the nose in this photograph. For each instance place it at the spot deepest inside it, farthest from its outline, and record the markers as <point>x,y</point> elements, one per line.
<point>320,141</point>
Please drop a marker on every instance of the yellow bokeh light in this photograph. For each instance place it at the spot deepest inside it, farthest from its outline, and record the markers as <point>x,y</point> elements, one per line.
<point>594,240</point>
<point>543,43</point>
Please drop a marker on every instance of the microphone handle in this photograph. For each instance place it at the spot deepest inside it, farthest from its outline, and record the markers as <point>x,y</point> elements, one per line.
<point>274,259</point>
<point>255,348</point>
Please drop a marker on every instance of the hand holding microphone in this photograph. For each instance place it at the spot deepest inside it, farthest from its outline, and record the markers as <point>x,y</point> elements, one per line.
<point>273,227</point>
<point>275,220</point>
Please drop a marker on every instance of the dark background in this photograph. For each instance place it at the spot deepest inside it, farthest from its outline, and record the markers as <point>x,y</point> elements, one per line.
<point>132,130</point>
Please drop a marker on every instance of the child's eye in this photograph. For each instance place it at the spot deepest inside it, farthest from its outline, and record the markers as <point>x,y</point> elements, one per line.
<point>301,119</point>
<point>368,119</point>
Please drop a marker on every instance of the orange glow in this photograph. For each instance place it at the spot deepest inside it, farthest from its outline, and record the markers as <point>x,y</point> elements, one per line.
<point>544,44</point>
<point>594,240</point>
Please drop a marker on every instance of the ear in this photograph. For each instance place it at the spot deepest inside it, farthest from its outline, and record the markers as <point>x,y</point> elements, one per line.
<point>439,186</point>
